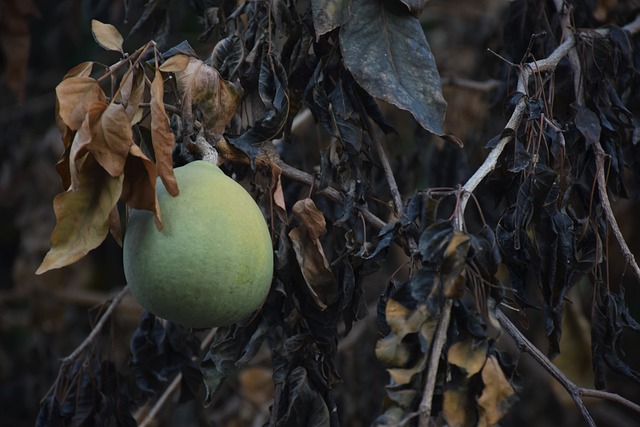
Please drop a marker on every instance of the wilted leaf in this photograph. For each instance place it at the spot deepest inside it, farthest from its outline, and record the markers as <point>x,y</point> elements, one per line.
<point>201,87</point>
<point>175,64</point>
<point>81,70</point>
<point>468,355</point>
<point>139,187</point>
<point>162,136</point>
<point>313,263</point>
<point>454,261</point>
<point>385,49</point>
<point>74,96</point>
<point>132,92</point>
<point>82,216</point>
<point>105,133</point>
<point>392,351</point>
<point>329,15</point>
<point>457,407</point>
<point>497,396</point>
<point>107,36</point>
<point>277,194</point>
<point>587,123</point>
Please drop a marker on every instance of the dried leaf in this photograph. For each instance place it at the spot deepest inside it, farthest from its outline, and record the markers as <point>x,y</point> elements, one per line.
<point>162,136</point>
<point>457,408</point>
<point>468,355</point>
<point>276,192</point>
<point>313,263</point>
<point>81,70</point>
<point>139,187</point>
<point>115,225</point>
<point>107,36</point>
<point>329,15</point>
<point>82,216</point>
<point>497,396</point>
<point>201,87</point>
<point>132,92</point>
<point>453,264</point>
<point>74,96</point>
<point>106,133</point>
<point>175,64</point>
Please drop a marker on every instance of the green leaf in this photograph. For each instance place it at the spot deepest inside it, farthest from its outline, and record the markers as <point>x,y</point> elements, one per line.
<point>387,52</point>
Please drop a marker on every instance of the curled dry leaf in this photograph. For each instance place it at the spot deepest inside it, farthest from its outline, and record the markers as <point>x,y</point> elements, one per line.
<point>107,36</point>
<point>139,187</point>
<point>277,195</point>
<point>457,407</point>
<point>162,136</point>
<point>202,88</point>
<point>82,216</point>
<point>132,92</point>
<point>81,70</point>
<point>497,396</point>
<point>468,355</point>
<point>313,263</point>
<point>73,97</point>
<point>454,263</point>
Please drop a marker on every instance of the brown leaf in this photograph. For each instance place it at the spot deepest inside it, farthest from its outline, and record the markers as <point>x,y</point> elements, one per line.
<point>313,263</point>
<point>497,396</point>
<point>201,87</point>
<point>74,96</point>
<point>454,263</point>
<point>468,355</point>
<point>115,225</point>
<point>81,70</point>
<point>132,92</point>
<point>392,351</point>
<point>139,187</point>
<point>82,216</point>
<point>277,194</point>
<point>175,64</point>
<point>161,136</point>
<point>107,36</point>
<point>457,408</point>
<point>106,133</point>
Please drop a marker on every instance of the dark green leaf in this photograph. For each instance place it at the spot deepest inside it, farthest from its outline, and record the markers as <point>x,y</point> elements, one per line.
<point>387,52</point>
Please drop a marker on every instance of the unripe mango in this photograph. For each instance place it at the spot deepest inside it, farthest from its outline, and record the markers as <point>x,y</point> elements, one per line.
<point>212,263</point>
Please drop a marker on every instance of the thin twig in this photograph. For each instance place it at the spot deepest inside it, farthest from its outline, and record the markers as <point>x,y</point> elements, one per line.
<point>96,330</point>
<point>612,397</point>
<point>151,415</point>
<point>440,338</point>
<point>388,173</point>
<point>608,211</point>
<point>525,345</point>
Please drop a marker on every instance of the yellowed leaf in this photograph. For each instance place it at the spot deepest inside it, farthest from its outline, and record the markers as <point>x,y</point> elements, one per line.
<point>497,396</point>
<point>392,351</point>
<point>162,136</point>
<point>175,64</point>
<point>469,355</point>
<point>74,96</point>
<point>82,216</point>
<point>313,263</point>
<point>107,36</point>
<point>457,407</point>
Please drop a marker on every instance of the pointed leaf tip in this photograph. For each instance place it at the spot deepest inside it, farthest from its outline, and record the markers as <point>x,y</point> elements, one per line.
<point>107,36</point>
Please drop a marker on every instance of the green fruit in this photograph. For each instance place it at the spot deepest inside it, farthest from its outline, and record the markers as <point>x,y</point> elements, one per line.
<point>212,263</point>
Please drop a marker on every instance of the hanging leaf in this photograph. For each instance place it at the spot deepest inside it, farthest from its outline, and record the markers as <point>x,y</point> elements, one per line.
<point>139,187</point>
<point>74,96</point>
<point>107,36</point>
<point>175,63</point>
<point>385,49</point>
<point>313,263</point>
<point>458,408</point>
<point>82,216</point>
<point>162,136</point>
<point>497,396</point>
<point>132,93</point>
<point>468,355</point>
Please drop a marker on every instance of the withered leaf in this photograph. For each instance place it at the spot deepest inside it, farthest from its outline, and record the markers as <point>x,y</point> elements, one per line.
<point>139,187</point>
<point>82,216</point>
<point>457,408</point>
<point>454,263</point>
<point>161,136</point>
<point>115,225</point>
<point>175,64</point>
<point>201,87</point>
<point>497,396</point>
<point>468,355</point>
<point>132,92</point>
<point>276,192</point>
<point>109,136</point>
<point>313,263</point>
<point>107,36</point>
<point>74,96</point>
<point>81,70</point>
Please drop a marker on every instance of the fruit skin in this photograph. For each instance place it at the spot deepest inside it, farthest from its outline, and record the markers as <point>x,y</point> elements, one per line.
<point>212,264</point>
